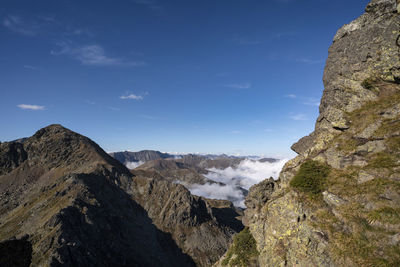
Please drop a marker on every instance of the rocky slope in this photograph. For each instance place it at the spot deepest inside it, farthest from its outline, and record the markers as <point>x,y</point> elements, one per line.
<point>140,156</point>
<point>338,202</point>
<point>173,170</point>
<point>64,201</point>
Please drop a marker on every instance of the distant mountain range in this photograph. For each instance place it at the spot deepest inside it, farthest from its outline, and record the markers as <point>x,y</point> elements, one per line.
<point>147,155</point>
<point>221,161</point>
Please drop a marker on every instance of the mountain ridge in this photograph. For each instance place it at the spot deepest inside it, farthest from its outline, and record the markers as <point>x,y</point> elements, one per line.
<point>72,204</point>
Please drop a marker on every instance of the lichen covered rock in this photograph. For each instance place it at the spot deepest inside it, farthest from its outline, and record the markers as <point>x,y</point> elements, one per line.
<point>352,219</point>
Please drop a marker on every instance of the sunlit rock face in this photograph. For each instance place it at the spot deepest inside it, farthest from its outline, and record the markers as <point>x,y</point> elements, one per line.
<point>353,220</point>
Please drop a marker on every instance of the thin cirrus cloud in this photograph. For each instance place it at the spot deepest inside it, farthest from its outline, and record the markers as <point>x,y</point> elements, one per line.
<point>93,55</point>
<point>30,107</point>
<point>291,96</point>
<point>309,61</point>
<point>34,26</point>
<point>18,25</point>
<point>132,96</point>
<point>311,101</point>
<point>239,85</point>
<point>29,67</point>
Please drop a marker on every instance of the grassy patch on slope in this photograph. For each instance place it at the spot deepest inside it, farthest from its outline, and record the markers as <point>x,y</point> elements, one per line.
<point>311,178</point>
<point>243,250</point>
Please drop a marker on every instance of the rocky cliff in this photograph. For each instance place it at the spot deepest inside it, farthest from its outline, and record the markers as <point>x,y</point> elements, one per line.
<point>65,202</point>
<point>338,202</point>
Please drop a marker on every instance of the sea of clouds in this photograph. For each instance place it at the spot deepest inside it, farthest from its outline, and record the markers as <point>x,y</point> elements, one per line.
<point>243,176</point>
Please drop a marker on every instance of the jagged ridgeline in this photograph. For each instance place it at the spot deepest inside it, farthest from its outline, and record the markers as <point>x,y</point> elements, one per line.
<point>65,202</point>
<point>338,202</point>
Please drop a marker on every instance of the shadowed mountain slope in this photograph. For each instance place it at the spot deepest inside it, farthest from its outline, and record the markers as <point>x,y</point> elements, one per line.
<point>74,205</point>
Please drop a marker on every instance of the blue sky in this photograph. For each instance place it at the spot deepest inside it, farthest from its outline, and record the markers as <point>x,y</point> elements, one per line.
<point>208,76</point>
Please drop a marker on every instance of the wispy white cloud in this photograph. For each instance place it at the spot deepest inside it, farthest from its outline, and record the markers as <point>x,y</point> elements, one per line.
<point>132,96</point>
<point>309,61</point>
<point>30,107</point>
<point>114,108</point>
<point>133,164</point>
<point>291,96</point>
<point>218,191</point>
<point>48,18</point>
<point>239,85</point>
<point>299,117</point>
<point>93,55</point>
<point>311,101</point>
<point>29,67</point>
<point>33,26</point>
<point>79,31</point>
<point>18,25</point>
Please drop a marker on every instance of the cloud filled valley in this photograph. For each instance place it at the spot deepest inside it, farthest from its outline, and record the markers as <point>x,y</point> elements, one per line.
<point>232,180</point>
<point>210,176</point>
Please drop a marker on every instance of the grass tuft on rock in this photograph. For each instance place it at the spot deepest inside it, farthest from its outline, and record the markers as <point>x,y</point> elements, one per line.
<point>368,83</point>
<point>243,250</point>
<point>311,177</point>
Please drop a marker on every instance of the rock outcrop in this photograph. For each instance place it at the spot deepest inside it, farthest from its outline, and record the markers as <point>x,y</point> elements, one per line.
<point>199,226</point>
<point>345,211</point>
<point>65,202</point>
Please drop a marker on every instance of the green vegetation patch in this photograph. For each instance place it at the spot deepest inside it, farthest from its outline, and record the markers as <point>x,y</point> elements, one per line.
<point>389,127</point>
<point>311,177</point>
<point>368,83</point>
<point>347,144</point>
<point>393,143</point>
<point>385,215</point>
<point>382,160</point>
<point>243,250</point>
<point>359,234</point>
